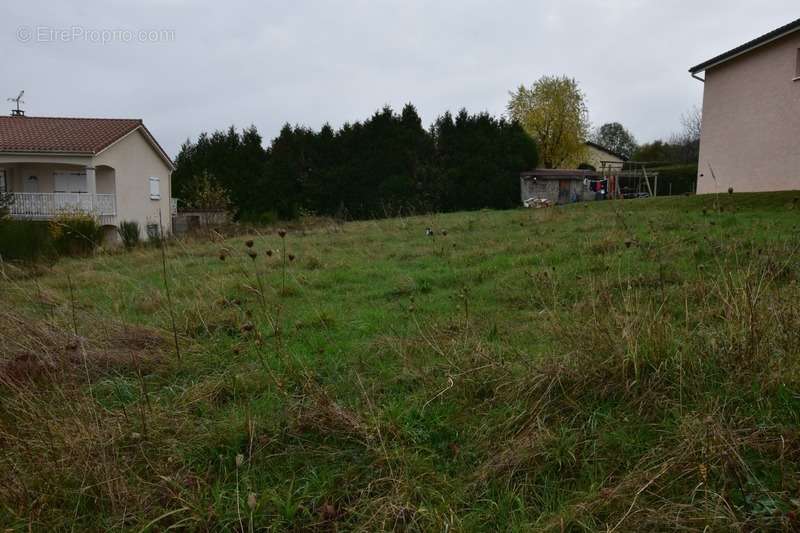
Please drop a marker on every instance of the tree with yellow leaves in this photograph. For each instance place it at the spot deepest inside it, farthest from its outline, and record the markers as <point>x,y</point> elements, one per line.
<point>553,111</point>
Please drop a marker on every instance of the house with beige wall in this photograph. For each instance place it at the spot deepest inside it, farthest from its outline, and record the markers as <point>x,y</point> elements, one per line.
<point>600,157</point>
<point>112,169</point>
<point>750,138</point>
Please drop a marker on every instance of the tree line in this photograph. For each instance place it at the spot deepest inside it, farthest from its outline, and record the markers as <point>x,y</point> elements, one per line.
<point>390,163</point>
<point>385,165</point>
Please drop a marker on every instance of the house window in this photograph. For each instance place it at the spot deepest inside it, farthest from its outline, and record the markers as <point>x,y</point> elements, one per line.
<point>3,184</point>
<point>155,192</point>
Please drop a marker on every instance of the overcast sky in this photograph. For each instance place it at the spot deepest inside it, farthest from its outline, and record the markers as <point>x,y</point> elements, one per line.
<point>309,62</point>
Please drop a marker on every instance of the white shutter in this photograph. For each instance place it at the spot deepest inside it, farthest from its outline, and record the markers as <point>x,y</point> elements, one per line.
<point>155,193</point>
<point>69,182</point>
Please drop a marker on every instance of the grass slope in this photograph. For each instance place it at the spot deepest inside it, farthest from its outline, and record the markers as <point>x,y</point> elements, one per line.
<point>609,366</point>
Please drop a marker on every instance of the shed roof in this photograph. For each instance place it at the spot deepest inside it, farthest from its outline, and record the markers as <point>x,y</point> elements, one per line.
<point>559,173</point>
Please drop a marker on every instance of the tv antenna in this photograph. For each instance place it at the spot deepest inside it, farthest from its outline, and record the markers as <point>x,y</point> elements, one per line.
<point>18,100</point>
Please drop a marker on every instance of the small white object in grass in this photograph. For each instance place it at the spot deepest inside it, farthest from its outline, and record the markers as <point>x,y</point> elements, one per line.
<point>429,232</point>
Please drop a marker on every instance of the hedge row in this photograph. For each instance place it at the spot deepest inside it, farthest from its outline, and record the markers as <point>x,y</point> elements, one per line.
<point>34,240</point>
<point>676,179</point>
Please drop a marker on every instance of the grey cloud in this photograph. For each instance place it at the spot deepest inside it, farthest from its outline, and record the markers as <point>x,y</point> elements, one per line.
<point>311,62</point>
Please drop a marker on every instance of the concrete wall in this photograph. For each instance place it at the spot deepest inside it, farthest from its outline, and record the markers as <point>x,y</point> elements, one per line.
<point>541,188</point>
<point>751,121</point>
<point>548,188</point>
<point>188,221</point>
<point>134,160</point>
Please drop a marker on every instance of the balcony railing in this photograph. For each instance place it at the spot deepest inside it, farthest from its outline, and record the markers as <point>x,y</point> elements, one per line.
<point>50,204</point>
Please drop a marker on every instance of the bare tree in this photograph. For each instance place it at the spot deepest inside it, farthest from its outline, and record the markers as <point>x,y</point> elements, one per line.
<point>687,141</point>
<point>692,122</point>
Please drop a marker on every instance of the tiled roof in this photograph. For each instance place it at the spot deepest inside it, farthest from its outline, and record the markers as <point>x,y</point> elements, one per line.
<point>64,135</point>
<point>746,47</point>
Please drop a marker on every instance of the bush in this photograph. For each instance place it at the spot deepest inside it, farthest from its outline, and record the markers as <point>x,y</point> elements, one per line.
<point>129,232</point>
<point>76,234</point>
<point>6,201</point>
<point>206,194</point>
<point>25,240</point>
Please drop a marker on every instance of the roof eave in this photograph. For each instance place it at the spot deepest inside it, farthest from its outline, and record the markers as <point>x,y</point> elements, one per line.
<point>790,28</point>
<point>167,159</point>
<point>47,152</point>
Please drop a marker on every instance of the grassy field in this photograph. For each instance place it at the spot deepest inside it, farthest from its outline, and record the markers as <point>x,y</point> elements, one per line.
<point>618,366</point>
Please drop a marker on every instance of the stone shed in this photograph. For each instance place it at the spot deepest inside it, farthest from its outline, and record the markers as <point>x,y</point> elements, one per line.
<point>189,220</point>
<point>559,186</point>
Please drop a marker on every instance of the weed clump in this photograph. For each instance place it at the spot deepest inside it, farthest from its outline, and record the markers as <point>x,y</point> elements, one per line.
<point>129,232</point>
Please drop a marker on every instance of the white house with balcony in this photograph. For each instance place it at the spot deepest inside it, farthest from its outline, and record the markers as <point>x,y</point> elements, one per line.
<point>112,169</point>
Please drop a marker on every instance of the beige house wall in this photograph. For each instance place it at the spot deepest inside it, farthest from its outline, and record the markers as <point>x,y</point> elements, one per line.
<point>595,157</point>
<point>105,178</point>
<point>134,161</point>
<point>751,121</point>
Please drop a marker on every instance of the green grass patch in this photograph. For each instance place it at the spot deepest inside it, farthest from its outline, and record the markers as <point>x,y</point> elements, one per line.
<point>609,366</point>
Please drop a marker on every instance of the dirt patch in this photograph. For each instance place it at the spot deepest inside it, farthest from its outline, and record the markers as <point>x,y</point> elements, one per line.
<point>323,415</point>
<point>37,351</point>
<point>133,337</point>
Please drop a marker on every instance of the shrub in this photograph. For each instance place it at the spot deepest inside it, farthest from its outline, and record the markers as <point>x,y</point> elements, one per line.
<point>207,194</point>
<point>6,201</point>
<point>129,232</point>
<point>76,234</point>
<point>25,240</point>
